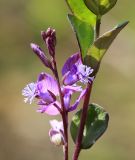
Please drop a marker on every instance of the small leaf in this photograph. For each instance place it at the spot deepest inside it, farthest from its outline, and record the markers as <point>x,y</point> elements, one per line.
<point>80,10</point>
<point>96,124</point>
<point>84,33</point>
<point>100,7</point>
<point>101,45</point>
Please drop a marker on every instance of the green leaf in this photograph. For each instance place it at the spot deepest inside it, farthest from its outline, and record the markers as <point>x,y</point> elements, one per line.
<point>100,7</point>
<point>101,45</point>
<point>96,124</point>
<point>80,10</point>
<point>84,33</point>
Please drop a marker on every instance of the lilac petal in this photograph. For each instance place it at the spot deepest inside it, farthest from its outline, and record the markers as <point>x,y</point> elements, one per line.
<point>71,89</point>
<point>67,98</point>
<point>52,132</point>
<point>70,79</point>
<point>67,92</point>
<point>70,62</point>
<point>74,68</point>
<point>71,76</point>
<point>56,125</point>
<point>49,109</point>
<point>47,82</point>
<point>46,97</point>
<point>74,106</point>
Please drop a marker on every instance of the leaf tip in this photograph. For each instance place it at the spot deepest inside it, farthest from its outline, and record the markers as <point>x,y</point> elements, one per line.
<point>122,25</point>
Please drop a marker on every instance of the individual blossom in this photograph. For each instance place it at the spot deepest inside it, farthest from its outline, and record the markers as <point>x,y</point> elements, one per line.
<point>49,104</point>
<point>47,93</point>
<point>74,71</point>
<point>56,133</point>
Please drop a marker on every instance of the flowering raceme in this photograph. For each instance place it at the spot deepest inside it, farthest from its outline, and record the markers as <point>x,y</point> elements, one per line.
<point>53,98</point>
<point>45,90</point>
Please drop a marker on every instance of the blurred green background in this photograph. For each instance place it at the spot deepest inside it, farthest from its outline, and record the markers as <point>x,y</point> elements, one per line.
<point>23,132</point>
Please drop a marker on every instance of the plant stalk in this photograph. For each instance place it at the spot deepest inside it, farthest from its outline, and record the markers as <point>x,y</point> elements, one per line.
<point>86,103</point>
<point>97,27</point>
<point>64,113</point>
<point>82,122</point>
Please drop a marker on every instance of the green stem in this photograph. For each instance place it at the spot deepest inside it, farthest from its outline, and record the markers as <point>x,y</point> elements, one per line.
<point>97,27</point>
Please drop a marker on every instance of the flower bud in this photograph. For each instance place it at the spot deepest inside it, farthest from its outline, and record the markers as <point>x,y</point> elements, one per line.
<point>49,38</point>
<point>38,51</point>
<point>100,7</point>
<point>57,139</point>
<point>56,133</point>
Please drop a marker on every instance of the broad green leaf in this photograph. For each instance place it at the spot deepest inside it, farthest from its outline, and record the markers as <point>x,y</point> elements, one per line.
<point>80,10</point>
<point>84,33</point>
<point>96,124</point>
<point>101,45</point>
<point>100,7</point>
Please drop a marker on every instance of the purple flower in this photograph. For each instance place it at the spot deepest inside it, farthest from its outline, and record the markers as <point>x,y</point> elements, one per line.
<point>74,71</point>
<point>46,91</point>
<point>56,133</point>
<point>47,94</point>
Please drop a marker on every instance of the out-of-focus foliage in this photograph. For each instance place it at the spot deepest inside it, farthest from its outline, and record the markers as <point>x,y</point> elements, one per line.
<point>23,132</point>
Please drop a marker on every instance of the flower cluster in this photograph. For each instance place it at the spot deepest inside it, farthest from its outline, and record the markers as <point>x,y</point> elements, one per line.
<point>47,90</point>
